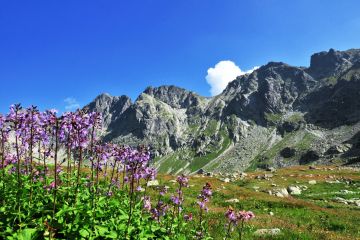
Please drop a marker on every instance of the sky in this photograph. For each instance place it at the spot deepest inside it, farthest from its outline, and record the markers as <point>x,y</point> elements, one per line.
<point>62,54</point>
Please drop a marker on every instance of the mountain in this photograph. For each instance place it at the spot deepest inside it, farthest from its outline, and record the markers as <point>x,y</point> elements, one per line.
<point>278,115</point>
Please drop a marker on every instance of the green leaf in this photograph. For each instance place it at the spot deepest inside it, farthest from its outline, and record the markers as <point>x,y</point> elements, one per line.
<point>155,228</point>
<point>102,231</point>
<point>27,234</point>
<point>112,235</point>
<point>182,237</point>
<point>84,233</point>
<point>122,227</point>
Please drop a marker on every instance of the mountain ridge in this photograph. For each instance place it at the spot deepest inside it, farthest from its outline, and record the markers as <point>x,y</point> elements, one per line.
<point>287,105</point>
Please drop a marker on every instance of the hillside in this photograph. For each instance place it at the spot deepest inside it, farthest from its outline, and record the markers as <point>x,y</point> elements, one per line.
<point>293,202</point>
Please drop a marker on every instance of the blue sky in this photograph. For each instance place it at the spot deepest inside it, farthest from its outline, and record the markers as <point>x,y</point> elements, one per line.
<point>62,54</point>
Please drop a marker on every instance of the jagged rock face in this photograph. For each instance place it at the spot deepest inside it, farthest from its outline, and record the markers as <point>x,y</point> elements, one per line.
<point>354,151</point>
<point>342,107</point>
<point>175,97</point>
<point>159,117</point>
<point>251,123</point>
<point>110,107</point>
<point>160,120</point>
<point>332,63</point>
<point>339,104</point>
<point>273,88</point>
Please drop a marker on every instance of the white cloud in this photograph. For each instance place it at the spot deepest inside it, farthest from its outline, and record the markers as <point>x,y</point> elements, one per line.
<point>71,104</point>
<point>224,72</point>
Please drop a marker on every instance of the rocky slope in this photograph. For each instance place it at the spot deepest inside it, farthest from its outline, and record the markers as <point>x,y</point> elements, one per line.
<point>278,115</point>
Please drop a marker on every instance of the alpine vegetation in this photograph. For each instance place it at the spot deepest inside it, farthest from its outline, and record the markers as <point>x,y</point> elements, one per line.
<point>60,181</point>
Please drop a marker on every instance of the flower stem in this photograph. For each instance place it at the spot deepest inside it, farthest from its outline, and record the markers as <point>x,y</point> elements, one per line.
<point>18,172</point>
<point>31,154</point>
<point>228,231</point>
<point>55,170</point>
<point>241,229</point>
<point>78,173</point>
<point>3,163</point>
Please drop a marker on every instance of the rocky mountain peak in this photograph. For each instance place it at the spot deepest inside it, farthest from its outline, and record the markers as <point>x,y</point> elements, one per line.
<point>274,65</point>
<point>104,95</point>
<point>174,96</point>
<point>273,88</point>
<point>109,106</point>
<point>331,63</point>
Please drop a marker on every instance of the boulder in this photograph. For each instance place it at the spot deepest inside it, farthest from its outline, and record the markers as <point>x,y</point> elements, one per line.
<point>233,200</point>
<point>265,232</point>
<point>294,190</point>
<point>332,182</point>
<point>338,149</point>
<point>264,176</point>
<point>242,174</point>
<point>271,169</point>
<point>226,180</point>
<point>281,192</point>
<point>153,183</point>
<point>234,175</point>
<point>340,200</point>
<point>312,182</point>
<point>353,201</point>
<point>344,191</point>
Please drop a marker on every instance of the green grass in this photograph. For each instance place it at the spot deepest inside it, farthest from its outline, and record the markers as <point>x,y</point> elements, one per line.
<point>299,140</point>
<point>299,217</point>
<point>273,118</point>
<point>305,142</point>
<point>349,75</point>
<point>331,80</point>
<point>179,159</point>
<point>199,162</point>
<point>173,161</point>
<point>302,217</point>
<point>211,127</point>
<point>326,191</point>
<point>296,117</point>
<point>192,128</point>
<point>272,152</point>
